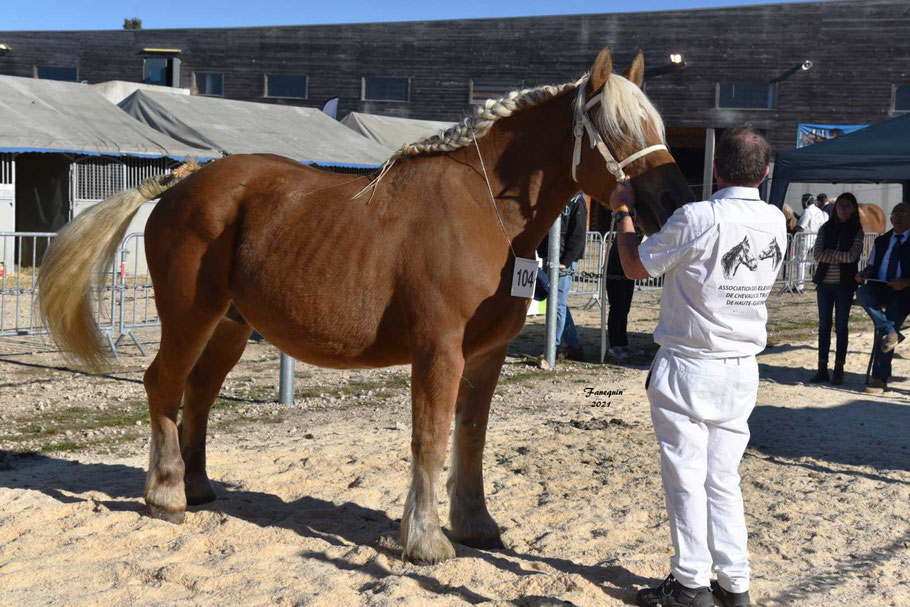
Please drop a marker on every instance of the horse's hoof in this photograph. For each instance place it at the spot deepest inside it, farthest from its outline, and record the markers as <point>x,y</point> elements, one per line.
<point>483,543</point>
<point>166,515</point>
<point>431,549</point>
<point>199,492</point>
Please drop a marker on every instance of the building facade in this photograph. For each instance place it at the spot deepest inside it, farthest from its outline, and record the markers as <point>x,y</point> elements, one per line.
<point>837,63</point>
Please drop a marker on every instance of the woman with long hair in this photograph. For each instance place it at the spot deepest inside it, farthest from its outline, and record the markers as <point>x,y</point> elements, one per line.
<point>837,251</point>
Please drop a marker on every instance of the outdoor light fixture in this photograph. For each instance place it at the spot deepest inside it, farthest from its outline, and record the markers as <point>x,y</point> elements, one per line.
<point>4,48</point>
<point>805,66</point>
<point>677,61</point>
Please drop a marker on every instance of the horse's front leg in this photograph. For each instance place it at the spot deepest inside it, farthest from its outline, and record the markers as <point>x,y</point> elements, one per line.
<point>471,523</point>
<point>434,387</point>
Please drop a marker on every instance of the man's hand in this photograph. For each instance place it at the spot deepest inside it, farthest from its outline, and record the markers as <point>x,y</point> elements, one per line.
<point>899,284</point>
<point>860,278</point>
<point>623,195</point>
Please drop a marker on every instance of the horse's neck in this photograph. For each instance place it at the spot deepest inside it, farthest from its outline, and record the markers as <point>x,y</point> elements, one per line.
<point>527,159</point>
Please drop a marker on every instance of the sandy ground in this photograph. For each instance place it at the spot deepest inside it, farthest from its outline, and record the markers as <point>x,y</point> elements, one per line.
<point>310,495</point>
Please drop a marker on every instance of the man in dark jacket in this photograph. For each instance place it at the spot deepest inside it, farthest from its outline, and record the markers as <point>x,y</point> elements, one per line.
<point>885,295</point>
<point>573,228</point>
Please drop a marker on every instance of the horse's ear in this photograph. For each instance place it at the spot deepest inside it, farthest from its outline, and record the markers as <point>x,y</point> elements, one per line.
<point>600,72</point>
<point>636,71</point>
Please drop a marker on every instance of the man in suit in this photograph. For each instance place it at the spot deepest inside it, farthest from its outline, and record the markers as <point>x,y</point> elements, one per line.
<point>884,294</point>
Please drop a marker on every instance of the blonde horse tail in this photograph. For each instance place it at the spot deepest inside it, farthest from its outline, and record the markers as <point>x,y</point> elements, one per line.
<point>82,250</point>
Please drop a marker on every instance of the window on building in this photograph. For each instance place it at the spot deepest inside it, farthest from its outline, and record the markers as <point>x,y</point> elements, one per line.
<point>46,72</point>
<point>384,88</point>
<point>291,86</point>
<point>902,98</point>
<point>208,83</point>
<point>746,96</point>
<point>163,71</point>
<point>481,90</point>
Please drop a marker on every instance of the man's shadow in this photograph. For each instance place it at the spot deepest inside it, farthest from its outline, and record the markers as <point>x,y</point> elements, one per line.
<point>337,524</point>
<point>859,433</point>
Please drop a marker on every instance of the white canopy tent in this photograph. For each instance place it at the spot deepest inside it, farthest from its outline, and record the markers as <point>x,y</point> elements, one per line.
<point>393,132</point>
<point>242,127</point>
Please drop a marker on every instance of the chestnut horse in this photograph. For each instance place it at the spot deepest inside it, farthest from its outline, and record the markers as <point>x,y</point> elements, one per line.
<point>872,218</point>
<point>417,269</point>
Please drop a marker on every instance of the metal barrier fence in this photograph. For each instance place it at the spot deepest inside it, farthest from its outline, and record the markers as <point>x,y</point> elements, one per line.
<point>589,269</point>
<point>19,256</point>
<point>799,263</point>
<point>123,301</point>
<point>135,293</point>
<point>642,284</point>
<point>589,273</point>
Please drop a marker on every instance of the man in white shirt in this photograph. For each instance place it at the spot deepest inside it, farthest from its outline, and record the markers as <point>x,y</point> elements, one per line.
<point>885,295</point>
<point>825,204</point>
<point>811,222</point>
<point>719,259</point>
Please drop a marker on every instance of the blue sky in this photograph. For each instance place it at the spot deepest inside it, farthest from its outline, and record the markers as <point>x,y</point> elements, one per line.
<point>108,14</point>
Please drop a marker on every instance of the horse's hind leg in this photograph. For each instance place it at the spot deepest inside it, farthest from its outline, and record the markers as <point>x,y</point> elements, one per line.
<point>434,387</point>
<point>469,520</point>
<point>221,353</point>
<point>183,337</point>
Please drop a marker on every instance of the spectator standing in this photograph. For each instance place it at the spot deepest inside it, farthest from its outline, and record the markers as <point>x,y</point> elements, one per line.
<point>837,251</point>
<point>884,294</point>
<point>810,223</point>
<point>825,204</point>
<point>619,296</point>
<point>573,229</point>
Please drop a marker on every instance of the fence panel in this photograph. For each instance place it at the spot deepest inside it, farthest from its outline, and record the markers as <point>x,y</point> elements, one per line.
<point>21,254</point>
<point>589,270</point>
<point>642,284</point>
<point>135,293</point>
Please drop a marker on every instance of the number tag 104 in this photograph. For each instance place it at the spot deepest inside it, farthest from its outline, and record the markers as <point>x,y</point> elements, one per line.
<point>524,277</point>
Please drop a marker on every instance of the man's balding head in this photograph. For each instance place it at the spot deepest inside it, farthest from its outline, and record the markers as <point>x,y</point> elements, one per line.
<point>741,157</point>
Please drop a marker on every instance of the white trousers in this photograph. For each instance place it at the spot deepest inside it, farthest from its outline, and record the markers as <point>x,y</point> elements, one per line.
<point>700,409</point>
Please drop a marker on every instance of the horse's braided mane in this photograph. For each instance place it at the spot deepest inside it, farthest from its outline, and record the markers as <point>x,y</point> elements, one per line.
<point>476,126</point>
<point>624,107</point>
<point>619,118</point>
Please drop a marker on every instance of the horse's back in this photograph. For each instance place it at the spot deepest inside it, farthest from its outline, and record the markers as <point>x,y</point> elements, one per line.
<point>872,218</point>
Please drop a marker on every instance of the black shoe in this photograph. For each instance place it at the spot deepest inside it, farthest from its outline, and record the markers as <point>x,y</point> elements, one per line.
<point>821,375</point>
<point>673,594</point>
<point>837,378</point>
<point>570,353</point>
<point>730,599</point>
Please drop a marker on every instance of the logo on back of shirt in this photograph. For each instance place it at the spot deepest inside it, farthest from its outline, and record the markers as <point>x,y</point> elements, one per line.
<point>773,253</point>
<point>741,254</point>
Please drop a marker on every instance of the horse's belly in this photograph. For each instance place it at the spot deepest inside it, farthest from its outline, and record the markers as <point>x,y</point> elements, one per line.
<point>325,327</point>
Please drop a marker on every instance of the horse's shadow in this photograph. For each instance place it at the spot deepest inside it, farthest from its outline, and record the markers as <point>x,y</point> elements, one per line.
<point>337,524</point>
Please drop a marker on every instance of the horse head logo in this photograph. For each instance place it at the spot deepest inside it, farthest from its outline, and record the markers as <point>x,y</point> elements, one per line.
<point>773,253</point>
<point>737,256</point>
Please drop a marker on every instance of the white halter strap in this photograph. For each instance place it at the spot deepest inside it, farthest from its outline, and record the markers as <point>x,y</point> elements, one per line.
<point>583,124</point>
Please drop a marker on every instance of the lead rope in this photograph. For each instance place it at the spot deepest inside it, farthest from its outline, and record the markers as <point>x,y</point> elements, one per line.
<point>492,199</point>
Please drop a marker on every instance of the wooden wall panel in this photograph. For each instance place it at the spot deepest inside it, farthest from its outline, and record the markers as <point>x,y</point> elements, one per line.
<point>859,49</point>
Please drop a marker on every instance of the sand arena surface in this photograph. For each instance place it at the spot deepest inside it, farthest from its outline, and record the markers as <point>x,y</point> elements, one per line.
<point>310,496</point>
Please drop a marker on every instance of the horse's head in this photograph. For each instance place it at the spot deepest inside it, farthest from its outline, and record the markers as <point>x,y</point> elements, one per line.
<point>632,145</point>
<point>745,255</point>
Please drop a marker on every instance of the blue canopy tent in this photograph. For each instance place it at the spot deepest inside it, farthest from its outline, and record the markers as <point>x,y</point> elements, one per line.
<point>876,154</point>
